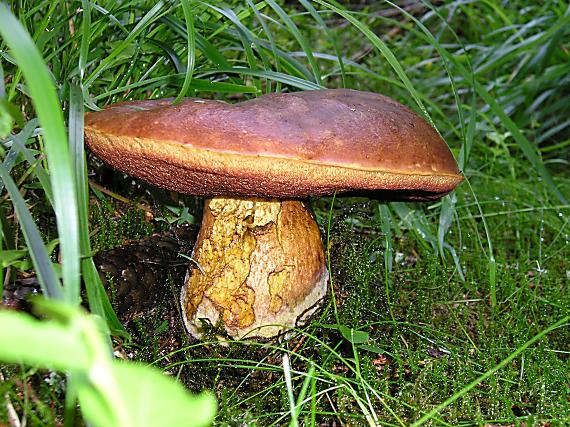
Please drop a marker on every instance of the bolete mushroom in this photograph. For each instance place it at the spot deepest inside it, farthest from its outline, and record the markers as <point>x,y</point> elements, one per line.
<point>261,261</point>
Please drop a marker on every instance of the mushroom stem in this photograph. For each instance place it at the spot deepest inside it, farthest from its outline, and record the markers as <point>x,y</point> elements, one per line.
<point>262,267</point>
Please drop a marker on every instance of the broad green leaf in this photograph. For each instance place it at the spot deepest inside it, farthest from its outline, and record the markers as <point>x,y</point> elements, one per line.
<point>111,393</point>
<point>152,398</point>
<point>317,17</point>
<point>352,335</point>
<point>9,114</point>
<point>24,339</point>
<point>248,40</point>
<point>417,222</point>
<point>12,256</point>
<point>386,225</point>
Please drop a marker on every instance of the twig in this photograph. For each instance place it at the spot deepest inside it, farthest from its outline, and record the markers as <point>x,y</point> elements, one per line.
<point>13,418</point>
<point>119,197</point>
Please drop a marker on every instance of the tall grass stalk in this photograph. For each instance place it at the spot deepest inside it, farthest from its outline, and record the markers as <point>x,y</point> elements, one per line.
<point>58,156</point>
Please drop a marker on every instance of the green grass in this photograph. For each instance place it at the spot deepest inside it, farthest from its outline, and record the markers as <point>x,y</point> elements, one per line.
<point>452,313</point>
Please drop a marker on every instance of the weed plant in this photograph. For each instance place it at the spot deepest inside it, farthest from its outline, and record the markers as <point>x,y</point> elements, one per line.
<point>449,313</point>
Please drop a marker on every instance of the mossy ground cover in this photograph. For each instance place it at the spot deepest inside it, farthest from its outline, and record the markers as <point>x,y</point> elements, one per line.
<point>426,300</point>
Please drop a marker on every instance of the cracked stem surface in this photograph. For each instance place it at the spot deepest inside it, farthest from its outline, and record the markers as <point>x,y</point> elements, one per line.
<point>263,264</point>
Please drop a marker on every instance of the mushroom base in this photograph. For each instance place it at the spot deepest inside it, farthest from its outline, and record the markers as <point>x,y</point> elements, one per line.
<point>261,268</point>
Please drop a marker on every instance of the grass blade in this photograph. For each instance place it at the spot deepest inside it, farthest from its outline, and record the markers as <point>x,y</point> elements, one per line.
<point>196,84</point>
<point>2,85</point>
<point>18,146</point>
<point>300,39</point>
<point>248,40</point>
<point>23,136</point>
<point>150,16</point>
<point>85,37</point>
<point>98,301</point>
<point>191,50</point>
<point>524,144</point>
<point>61,173</point>
<point>289,384</point>
<point>317,17</point>
<point>386,52</point>
<point>270,75</point>
<point>47,278</point>
<point>272,43</point>
<point>489,373</point>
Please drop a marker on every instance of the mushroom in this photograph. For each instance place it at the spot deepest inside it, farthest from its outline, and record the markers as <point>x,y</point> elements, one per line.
<point>261,264</point>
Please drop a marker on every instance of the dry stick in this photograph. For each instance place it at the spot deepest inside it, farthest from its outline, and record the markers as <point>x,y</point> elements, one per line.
<point>12,415</point>
<point>4,286</point>
<point>119,197</point>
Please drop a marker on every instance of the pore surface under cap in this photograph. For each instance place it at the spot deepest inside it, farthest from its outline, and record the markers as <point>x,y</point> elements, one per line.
<point>279,145</point>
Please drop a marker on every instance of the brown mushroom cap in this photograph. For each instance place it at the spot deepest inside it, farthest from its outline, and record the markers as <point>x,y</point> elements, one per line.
<point>277,145</point>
